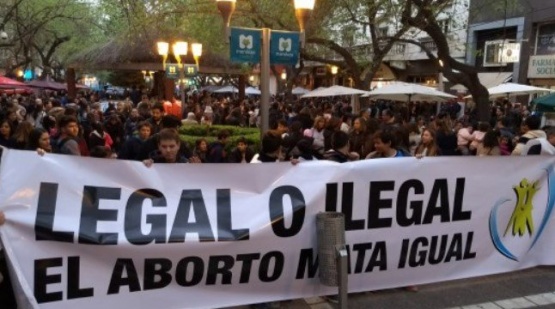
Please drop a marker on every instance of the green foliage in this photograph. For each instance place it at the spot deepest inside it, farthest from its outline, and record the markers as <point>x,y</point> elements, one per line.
<point>191,133</point>
<point>125,78</point>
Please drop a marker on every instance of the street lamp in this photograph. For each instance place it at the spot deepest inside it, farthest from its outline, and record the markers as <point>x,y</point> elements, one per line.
<point>440,76</point>
<point>197,51</point>
<point>334,70</point>
<point>303,8</point>
<point>226,8</point>
<point>179,50</point>
<point>163,50</point>
<point>147,75</point>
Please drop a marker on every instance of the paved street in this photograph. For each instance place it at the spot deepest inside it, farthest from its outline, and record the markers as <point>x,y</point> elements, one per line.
<point>532,288</point>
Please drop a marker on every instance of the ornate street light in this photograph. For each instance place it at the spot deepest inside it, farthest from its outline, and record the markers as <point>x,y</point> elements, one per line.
<point>303,8</point>
<point>334,69</point>
<point>226,8</point>
<point>179,50</point>
<point>197,52</point>
<point>163,50</point>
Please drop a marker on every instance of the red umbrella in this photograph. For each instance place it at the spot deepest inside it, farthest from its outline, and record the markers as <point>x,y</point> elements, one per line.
<point>79,86</point>
<point>43,84</point>
<point>7,83</point>
<point>16,90</point>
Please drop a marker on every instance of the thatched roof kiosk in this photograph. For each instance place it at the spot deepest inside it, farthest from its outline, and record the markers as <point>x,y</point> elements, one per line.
<point>139,54</point>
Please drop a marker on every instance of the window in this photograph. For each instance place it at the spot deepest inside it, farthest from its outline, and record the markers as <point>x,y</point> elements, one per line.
<point>546,40</point>
<point>429,44</point>
<point>444,25</point>
<point>382,32</point>
<point>398,49</point>
<point>493,53</point>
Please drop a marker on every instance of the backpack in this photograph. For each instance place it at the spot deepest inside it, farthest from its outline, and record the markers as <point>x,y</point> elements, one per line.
<point>57,144</point>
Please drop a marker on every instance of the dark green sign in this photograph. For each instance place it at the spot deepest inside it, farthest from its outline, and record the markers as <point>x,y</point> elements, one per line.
<point>172,71</point>
<point>191,70</point>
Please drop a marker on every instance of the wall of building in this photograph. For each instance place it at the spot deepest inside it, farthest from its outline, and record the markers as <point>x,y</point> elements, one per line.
<point>539,40</point>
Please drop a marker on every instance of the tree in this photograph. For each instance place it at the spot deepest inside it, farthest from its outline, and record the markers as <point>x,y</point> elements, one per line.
<point>357,24</point>
<point>421,14</point>
<point>39,28</point>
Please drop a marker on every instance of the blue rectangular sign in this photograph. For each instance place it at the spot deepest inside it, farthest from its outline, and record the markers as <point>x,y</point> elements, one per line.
<point>244,45</point>
<point>284,47</point>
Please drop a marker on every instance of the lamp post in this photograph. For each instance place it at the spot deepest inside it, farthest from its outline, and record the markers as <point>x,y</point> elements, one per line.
<point>334,70</point>
<point>179,50</point>
<point>439,83</point>
<point>303,8</point>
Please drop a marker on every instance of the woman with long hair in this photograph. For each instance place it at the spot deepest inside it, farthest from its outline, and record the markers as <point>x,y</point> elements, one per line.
<point>39,140</point>
<point>6,133</point>
<point>21,135</point>
<point>489,145</point>
<point>317,132</point>
<point>359,140</point>
<point>445,138</point>
<point>415,136</point>
<point>427,146</point>
<point>201,149</point>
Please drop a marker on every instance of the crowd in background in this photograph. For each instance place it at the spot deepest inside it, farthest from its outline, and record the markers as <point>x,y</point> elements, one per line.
<point>300,129</point>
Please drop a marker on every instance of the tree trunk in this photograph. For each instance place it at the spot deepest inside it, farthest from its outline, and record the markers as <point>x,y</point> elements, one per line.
<point>70,80</point>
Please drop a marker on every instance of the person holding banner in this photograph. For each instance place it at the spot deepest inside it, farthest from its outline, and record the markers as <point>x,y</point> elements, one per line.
<point>271,149</point>
<point>39,140</point>
<point>67,141</point>
<point>340,148</point>
<point>168,149</point>
<point>385,145</point>
<point>150,146</point>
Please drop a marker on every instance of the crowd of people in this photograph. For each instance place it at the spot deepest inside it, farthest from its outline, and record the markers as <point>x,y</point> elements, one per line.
<point>139,129</point>
<point>145,129</point>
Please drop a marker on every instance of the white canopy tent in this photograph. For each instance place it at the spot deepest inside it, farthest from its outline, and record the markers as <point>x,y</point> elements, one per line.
<point>227,89</point>
<point>488,79</point>
<point>334,91</point>
<point>512,89</point>
<point>407,92</point>
<point>252,91</point>
<point>313,92</point>
<point>299,91</point>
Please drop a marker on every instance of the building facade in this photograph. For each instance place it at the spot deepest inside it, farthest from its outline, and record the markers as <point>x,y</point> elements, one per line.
<point>512,41</point>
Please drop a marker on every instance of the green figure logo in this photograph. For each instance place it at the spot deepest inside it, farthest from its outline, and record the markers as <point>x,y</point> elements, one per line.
<point>521,219</point>
<point>285,45</point>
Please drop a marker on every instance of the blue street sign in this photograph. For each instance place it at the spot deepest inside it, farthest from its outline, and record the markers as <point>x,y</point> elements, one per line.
<point>245,45</point>
<point>284,47</point>
<point>172,71</point>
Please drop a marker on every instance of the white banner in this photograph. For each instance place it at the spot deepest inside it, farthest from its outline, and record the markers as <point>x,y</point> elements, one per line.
<point>94,233</point>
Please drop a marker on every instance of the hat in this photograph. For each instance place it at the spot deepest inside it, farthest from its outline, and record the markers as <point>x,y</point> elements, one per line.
<point>307,133</point>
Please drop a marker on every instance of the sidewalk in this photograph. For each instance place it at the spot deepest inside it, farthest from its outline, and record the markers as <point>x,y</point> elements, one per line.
<point>531,288</point>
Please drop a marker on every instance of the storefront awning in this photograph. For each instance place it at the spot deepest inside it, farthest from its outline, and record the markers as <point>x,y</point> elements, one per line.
<point>488,80</point>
